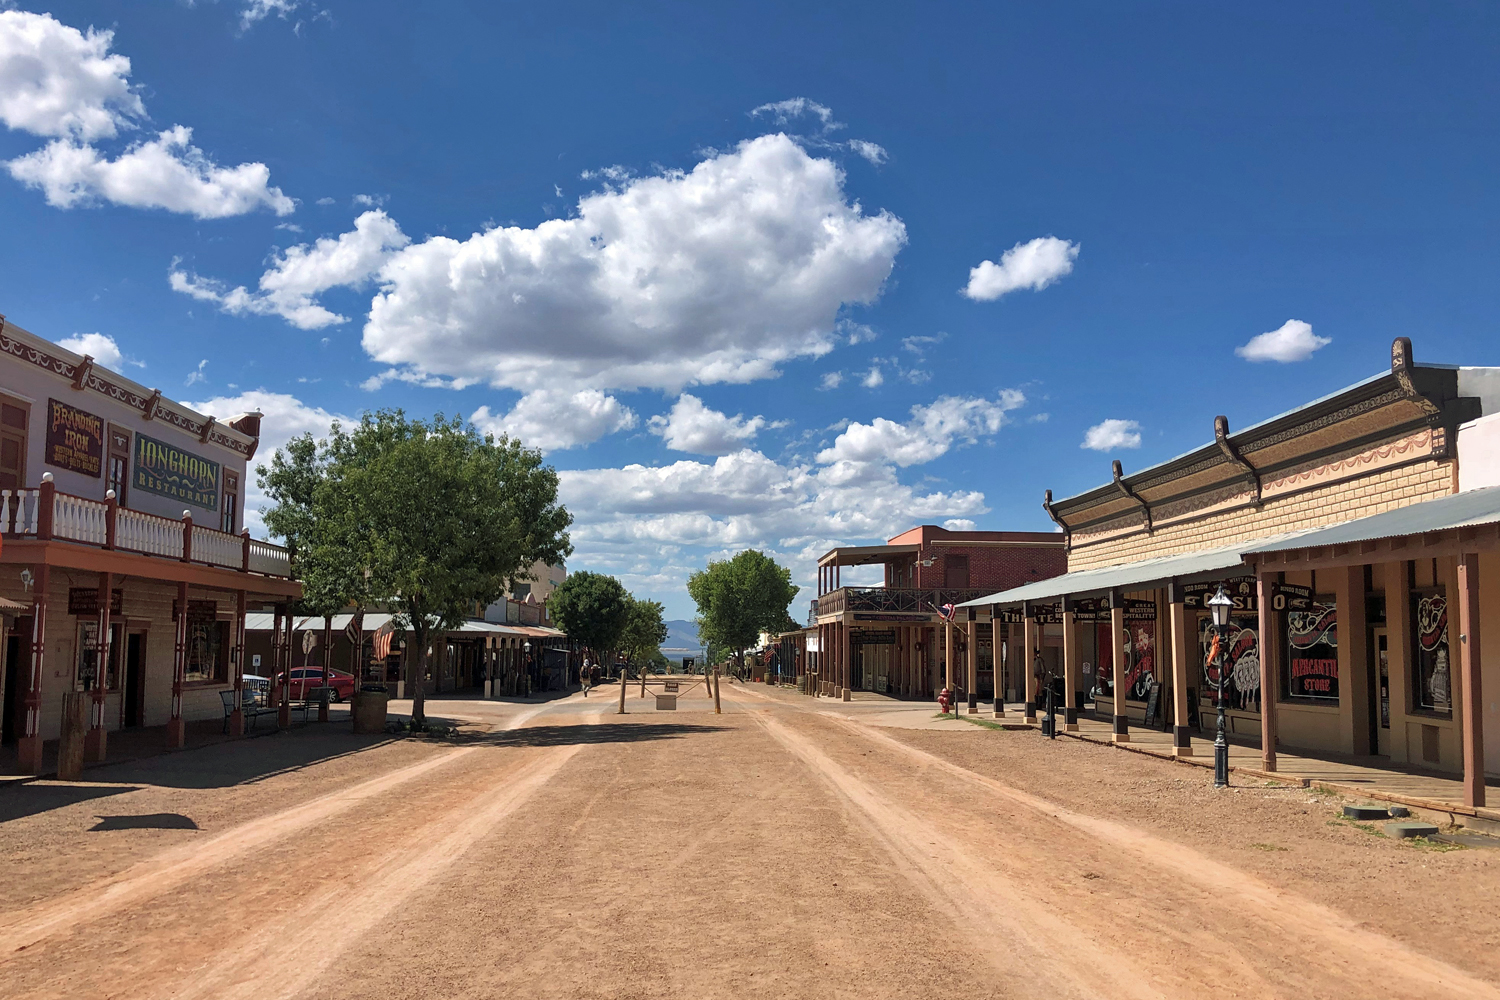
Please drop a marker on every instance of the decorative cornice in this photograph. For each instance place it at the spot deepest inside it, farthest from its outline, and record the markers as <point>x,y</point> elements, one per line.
<point>85,376</point>
<point>1131,494</point>
<point>1067,531</point>
<point>1232,454</point>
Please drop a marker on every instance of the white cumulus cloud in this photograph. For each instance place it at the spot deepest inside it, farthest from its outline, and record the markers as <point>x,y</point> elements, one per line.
<point>876,154</point>
<point>716,274</point>
<point>99,346</point>
<point>784,112</point>
<point>259,10</point>
<point>167,172</point>
<point>1035,265</point>
<point>693,427</point>
<point>1294,340</point>
<point>290,285</point>
<point>933,430</point>
<point>58,81</point>
<point>553,419</point>
<point>1111,434</point>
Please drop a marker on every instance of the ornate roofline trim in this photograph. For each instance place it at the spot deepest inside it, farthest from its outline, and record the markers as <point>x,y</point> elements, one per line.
<point>1232,455</point>
<point>1131,494</point>
<point>1067,531</point>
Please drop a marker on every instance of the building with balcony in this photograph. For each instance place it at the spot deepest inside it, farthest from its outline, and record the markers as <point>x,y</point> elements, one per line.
<point>891,638</point>
<point>123,545</point>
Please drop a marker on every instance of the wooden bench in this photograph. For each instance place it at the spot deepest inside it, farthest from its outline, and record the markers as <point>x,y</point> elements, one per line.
<point>250,712</point>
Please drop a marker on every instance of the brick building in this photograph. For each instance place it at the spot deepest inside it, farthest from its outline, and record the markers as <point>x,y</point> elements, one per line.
<point>890,638</point>
<point>1349,532</point>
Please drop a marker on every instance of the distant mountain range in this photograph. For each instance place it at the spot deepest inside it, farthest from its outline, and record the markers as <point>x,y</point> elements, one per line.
<point>681,635</point>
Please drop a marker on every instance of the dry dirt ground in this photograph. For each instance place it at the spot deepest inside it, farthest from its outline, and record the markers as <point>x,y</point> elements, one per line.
<point>786,848</point>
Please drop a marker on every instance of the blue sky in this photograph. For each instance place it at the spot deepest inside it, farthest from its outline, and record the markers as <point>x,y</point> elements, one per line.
<point>730,327</point>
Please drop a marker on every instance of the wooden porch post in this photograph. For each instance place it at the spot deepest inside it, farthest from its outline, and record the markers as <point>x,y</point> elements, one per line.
<point>1182,743</point>
<point>1000,654</point>
<point>176,726</point>
<point>327,652</point>
<point>237,664</point>
<point>283,657</point>
<point>1471,696</point>
<point>1117,652</point>
<point>948,678</point>
<point>29,747</point>
<point>1028,672</point>
<point>96,741</point>
<point>1070,667</point>
<point>846,657</point>
<point>1269,671</point>
<point>971,637</point>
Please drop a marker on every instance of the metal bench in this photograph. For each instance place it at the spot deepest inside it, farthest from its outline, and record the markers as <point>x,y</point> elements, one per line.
<point>312,698</point>
<point>250,712</point>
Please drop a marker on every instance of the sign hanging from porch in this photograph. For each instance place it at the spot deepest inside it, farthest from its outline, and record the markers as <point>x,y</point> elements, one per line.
<point>75,439</point>
<point>872,637</point>
<point>1290,597</point>
<point>84,601</point>
<point>1241,592</point>
<point>197,610</point>
<point>168,471</point>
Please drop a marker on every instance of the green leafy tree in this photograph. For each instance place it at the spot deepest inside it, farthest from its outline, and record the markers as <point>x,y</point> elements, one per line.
<point>739,598</point>
<point>429,518</point>
<point>645,631</point>
<point>593,609</point>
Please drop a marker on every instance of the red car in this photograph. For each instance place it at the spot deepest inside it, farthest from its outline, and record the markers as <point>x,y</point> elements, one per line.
<point>305,679</point>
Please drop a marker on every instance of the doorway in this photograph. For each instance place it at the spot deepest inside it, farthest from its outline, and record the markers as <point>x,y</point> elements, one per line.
<point>1380,691</point>
<point>10,723</point>
<point>133,706</point>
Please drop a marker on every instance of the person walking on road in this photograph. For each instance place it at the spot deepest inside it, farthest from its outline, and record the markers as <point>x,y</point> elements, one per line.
<point>586,676</point>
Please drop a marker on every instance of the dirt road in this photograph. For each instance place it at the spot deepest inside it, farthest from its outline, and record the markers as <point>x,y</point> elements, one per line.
<point>787,848</point>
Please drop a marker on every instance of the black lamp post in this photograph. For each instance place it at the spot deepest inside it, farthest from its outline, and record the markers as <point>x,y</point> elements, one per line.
<point>526,659</point>
<point>1219,606</point>
<point>1049,722</point>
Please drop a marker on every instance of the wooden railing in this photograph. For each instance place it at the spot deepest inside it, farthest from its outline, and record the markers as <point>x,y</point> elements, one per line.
<point>47,514</point>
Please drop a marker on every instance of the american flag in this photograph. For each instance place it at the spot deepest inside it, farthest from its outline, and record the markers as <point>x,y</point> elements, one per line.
<point>383,640</point>
<point>947,612</point>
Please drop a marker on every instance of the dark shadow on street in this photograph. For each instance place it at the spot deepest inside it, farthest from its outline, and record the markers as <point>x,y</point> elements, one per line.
<point>39,797</point>
<point>609,732</point>
<point>150,821</point>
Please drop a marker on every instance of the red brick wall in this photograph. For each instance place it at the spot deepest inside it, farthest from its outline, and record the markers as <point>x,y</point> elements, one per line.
<point>994,568</point>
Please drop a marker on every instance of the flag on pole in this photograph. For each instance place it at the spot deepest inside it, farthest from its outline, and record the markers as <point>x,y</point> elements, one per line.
<point>383,637</point>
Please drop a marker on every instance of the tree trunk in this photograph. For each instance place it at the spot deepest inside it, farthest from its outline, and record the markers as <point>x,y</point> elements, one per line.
<point>419,686</point>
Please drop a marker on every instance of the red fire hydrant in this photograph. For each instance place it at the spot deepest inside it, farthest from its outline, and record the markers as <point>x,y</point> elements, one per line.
<point>943,699</point>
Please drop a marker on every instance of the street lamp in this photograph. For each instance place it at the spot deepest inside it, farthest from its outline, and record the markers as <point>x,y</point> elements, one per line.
<point>1219,606</point>
<point>526,658</point>
<point>1049,721</point>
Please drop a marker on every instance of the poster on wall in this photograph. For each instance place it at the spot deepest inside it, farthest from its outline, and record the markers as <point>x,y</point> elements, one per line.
<point>1241,655</point>
<point>1434,682</point>
<point>1312,639</point>
<point>75,439</point>
<point>1140,659</point>
<point>168,471</point>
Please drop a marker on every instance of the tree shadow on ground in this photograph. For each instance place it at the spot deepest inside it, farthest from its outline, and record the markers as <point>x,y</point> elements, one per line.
<point>149,821</point>
<point>608,732</point>
<point>39,797</point>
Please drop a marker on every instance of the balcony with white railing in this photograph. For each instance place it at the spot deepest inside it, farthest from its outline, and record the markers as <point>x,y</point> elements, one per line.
<point>48,514</point>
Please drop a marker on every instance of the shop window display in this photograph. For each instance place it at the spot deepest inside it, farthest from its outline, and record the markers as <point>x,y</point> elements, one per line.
<point>1432,682</point>
<point>1242,664</point>
<point>1312,653</point>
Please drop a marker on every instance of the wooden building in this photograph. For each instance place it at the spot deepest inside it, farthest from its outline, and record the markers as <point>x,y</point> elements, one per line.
<point>890,638</point>
<point>121,513</point>
<point>1359,538</point>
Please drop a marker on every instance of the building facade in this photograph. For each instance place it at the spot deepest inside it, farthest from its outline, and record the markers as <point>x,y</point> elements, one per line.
<point>892,638</point>
<point>122,515</point>
<point>1360,575</point>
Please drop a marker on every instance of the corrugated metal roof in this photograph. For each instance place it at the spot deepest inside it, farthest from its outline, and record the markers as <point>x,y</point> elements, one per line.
<point>1125,575</point>
<point>1461,510</point>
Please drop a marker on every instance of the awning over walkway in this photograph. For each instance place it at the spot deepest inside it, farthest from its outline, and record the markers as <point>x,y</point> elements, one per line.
<point>1127,576</point>
<point>1461,510</point>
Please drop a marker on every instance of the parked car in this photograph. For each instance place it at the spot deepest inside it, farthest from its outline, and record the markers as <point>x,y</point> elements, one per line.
<point>306,678</point>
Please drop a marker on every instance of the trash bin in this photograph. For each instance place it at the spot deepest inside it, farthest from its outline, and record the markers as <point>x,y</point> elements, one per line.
<point>367,708</point>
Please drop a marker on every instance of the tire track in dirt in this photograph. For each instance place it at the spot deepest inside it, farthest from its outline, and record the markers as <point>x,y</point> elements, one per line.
<point>344,913</point>
<point>1342,941</point>
<point>983,905</point>
<point>166,871</point>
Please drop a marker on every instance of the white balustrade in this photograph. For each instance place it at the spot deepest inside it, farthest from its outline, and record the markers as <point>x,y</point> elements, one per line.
<point>20,511</point>
<point>272,560</point>
<point>156,536</point>
<point>80,520</point>
<point>217,548</point>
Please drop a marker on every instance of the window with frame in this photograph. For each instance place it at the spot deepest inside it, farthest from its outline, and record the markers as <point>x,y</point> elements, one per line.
<point>1310,653</point>
<point>207,651</point>
<point>87,661</point>
<point>1432,680</point>
<point>117,465</point>
<point>229,510</point>
<point>14,417</point>
<point>1240,657</point>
